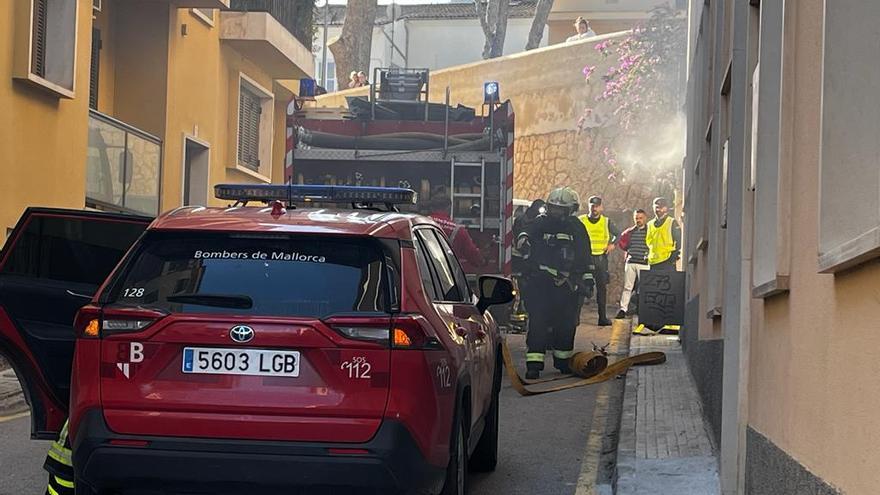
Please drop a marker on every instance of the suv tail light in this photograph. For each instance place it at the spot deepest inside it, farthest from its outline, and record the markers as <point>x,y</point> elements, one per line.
<point>367,329</point>
<point>92,323</point>
<point>411,332</point>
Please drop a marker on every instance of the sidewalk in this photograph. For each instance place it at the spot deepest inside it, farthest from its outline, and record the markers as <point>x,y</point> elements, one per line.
<point>664,447</point>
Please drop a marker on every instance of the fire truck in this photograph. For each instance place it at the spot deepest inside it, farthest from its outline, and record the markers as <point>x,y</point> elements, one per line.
<point>396,137</point>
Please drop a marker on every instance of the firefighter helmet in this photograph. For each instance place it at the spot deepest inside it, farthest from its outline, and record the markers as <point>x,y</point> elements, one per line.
<point>565,197</point>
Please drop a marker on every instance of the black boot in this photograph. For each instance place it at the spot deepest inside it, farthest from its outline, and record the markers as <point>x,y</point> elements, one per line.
<point>562,365</point>
<point>620,315</point>
<point>533,370</point>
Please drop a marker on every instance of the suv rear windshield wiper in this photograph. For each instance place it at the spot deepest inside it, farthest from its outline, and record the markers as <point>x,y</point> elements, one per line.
<point>215,300</point>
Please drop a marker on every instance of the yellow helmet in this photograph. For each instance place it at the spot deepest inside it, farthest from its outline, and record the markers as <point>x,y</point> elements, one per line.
<point>565,197</point>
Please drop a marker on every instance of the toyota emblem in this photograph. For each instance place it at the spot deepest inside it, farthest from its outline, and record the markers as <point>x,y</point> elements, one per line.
<point>241,333</point>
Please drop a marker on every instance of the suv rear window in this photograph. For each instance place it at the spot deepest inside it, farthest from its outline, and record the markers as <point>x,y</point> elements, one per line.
<point>303,276</point>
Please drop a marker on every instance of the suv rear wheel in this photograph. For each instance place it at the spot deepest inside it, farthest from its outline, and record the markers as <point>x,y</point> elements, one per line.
<point>457,471</point>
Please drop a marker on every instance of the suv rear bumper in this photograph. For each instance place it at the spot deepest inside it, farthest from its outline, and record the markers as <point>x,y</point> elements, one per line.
<point>196,465</point>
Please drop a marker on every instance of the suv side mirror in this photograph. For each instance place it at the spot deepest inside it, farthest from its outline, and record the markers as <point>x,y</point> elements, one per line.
<point>494,290</point>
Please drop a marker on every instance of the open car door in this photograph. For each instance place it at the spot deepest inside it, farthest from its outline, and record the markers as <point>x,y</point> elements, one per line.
<point>51,265</point>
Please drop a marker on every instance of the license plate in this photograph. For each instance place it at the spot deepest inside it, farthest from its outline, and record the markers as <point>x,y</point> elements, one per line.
<point>256,362</point>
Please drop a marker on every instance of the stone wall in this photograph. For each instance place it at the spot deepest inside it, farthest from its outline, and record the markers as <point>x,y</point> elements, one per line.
<point>545,161</point>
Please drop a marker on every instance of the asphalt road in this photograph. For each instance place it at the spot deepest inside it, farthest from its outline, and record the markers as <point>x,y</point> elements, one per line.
<point>543,440</point>
<point>21,459</point>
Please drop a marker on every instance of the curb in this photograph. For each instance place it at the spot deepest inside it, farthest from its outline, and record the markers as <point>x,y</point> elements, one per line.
<point>599,470</point>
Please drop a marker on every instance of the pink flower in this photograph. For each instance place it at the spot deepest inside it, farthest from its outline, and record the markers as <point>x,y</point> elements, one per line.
<point>588,71</point>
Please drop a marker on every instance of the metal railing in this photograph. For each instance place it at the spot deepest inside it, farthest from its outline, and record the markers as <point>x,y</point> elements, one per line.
<point>124,166</point>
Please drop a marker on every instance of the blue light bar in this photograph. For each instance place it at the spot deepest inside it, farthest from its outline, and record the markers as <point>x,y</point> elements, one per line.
<point>302,193</point>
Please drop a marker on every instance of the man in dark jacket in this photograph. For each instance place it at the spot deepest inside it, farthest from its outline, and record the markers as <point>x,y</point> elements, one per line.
<point>556,258</point>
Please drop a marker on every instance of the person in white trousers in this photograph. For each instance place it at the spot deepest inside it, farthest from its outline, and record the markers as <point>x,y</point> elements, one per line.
<point>632,240</point>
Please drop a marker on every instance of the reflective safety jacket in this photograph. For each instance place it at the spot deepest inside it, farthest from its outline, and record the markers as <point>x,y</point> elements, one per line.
<point>600,233</point>
<point>660,241</point>
<point>59,464</point>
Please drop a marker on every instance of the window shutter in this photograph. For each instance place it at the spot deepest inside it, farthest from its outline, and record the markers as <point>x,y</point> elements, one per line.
<point>38,46</point>
<point>250,109</point>
<point>95,68</point>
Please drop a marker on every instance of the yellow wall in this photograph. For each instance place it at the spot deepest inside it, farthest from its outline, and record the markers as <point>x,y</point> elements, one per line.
<point>103,21</point>
<point>195,108</point>
<point>43,139</point>
<point>814,352</point>
<point>279,142</point>
<point>203,103</point>
<point>141,64</point>
<point>152,77</point>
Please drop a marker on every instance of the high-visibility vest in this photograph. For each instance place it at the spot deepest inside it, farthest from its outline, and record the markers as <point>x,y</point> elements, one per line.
<point>600,234</point>
<point>59,463</point>
<point>660,242</point>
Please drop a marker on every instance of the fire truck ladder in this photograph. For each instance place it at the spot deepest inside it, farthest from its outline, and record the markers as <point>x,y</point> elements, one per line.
<point>453,195</point>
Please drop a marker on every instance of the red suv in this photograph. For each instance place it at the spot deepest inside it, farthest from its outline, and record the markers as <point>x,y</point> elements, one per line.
<point>247,349</point>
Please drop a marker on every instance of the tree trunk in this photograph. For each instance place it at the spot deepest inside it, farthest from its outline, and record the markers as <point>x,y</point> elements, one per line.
<point>351,50</point>
<point>542,12</point>
<point>493,19</point>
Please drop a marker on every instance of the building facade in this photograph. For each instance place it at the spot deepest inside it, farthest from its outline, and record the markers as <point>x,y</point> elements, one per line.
<point>782,214</point>
<point>424,36</point>
<point>139,106</point>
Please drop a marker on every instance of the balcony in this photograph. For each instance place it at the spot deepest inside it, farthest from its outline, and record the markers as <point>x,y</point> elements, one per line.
<point>124,167</point>
<point>261,38</point>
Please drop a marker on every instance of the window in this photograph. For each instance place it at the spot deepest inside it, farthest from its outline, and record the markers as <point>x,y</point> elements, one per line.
<point>254,128</point>
<point>425,272</point>
<point>770,164</point>
<point>206,15</point>
<point>447,286</point>
<point>849,215</point>
<point>330,84</point>
<point>46,53</point>
<point>305,276</point>
<point>78,250</point>
<point>457,271</point>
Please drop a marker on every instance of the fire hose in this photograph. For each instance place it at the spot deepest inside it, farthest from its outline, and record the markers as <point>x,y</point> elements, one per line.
<point>590,366</point>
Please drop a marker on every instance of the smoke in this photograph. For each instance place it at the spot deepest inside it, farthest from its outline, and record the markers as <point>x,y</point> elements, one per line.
<point>641,105</point>
<point>655,149</point>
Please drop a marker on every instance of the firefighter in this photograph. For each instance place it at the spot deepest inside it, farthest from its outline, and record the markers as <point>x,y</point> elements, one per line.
<point>603,236</point>
<point>59,465</point>
<point>556,258</point>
